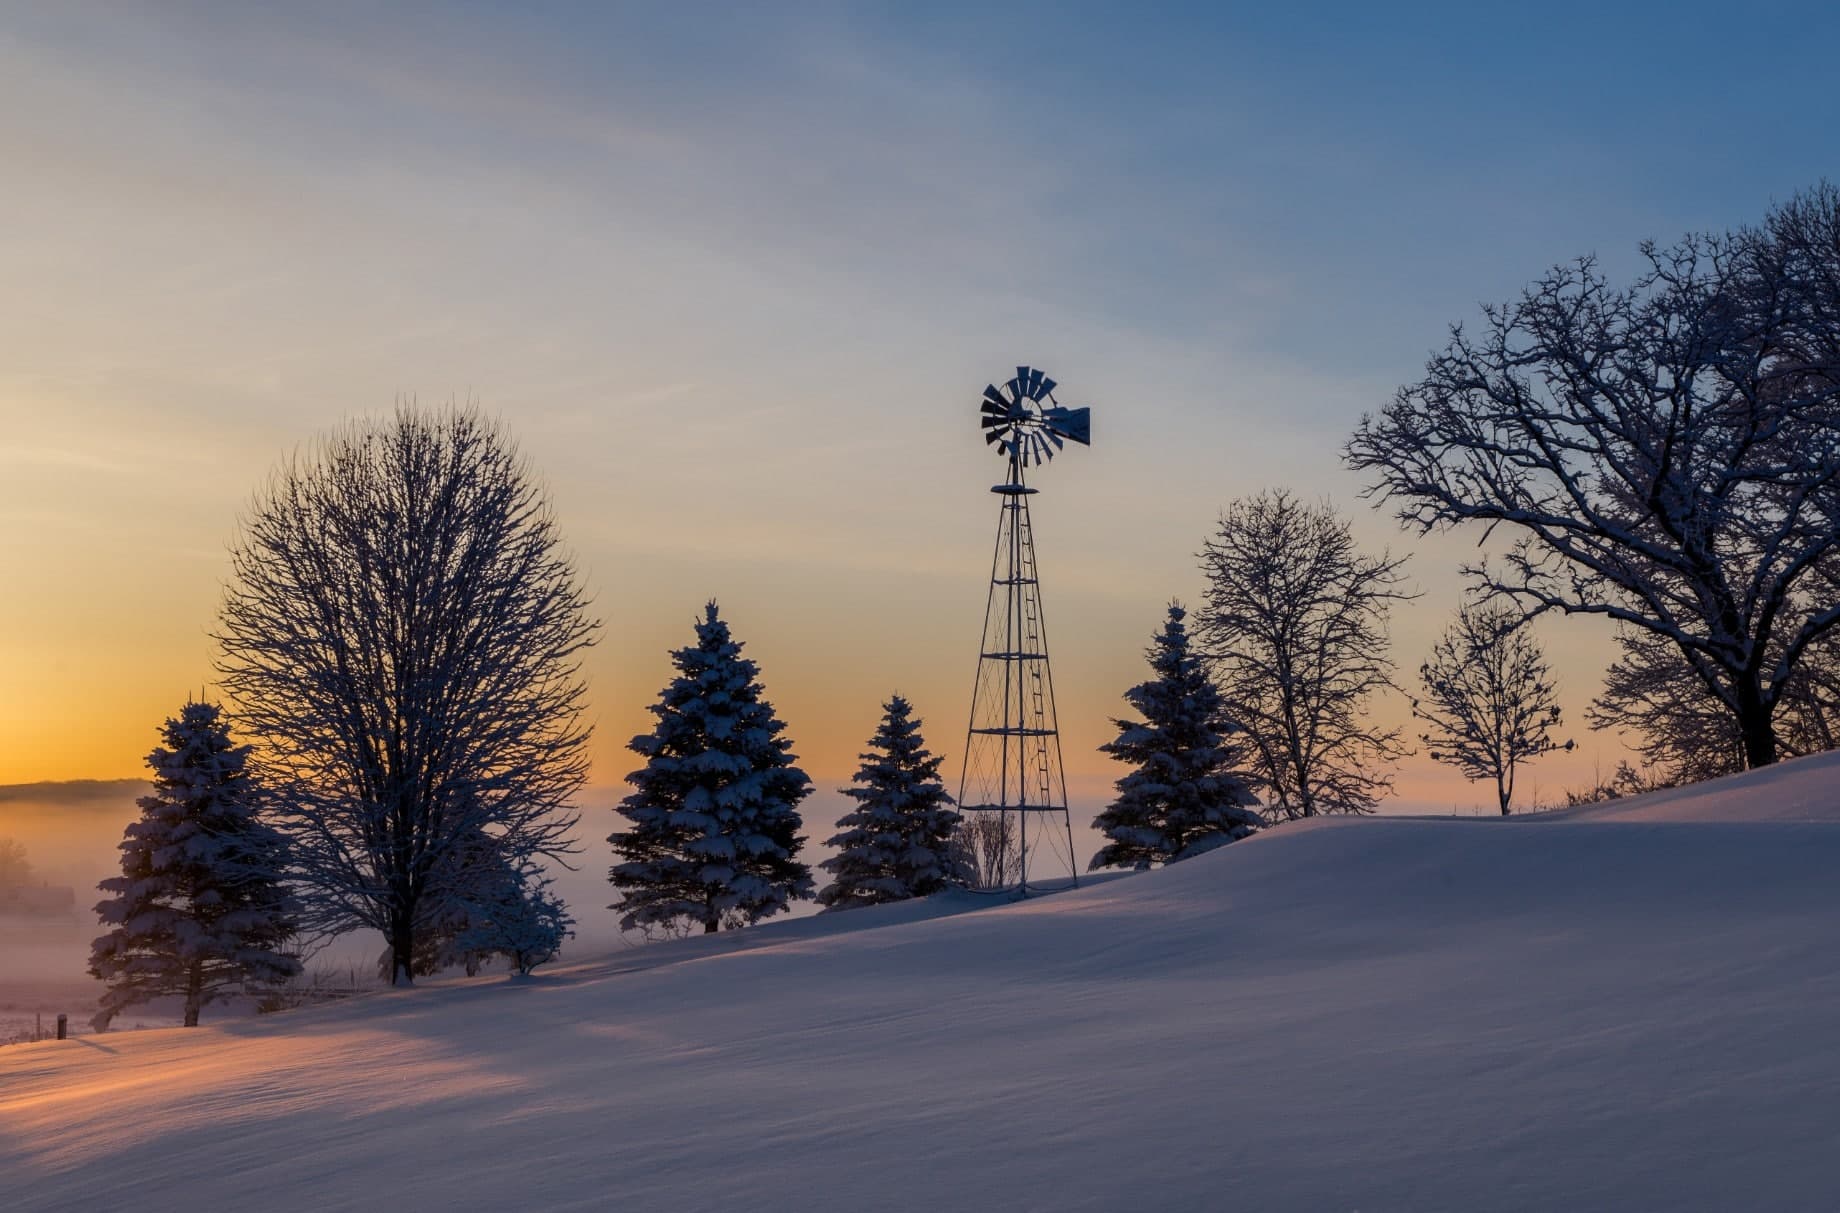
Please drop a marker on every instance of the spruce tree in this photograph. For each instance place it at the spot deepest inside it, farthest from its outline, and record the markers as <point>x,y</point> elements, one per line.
<point>897,842</point>
<point>494,907</point>
<point>714,834</point>
<point>519,917</point>
<point>1182,795</point>
<point>199,910</point>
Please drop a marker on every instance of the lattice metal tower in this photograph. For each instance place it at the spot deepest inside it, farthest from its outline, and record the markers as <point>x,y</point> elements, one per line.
<point>1012,768</point>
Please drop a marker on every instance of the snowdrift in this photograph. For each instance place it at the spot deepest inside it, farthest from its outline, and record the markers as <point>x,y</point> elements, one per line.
<point>1627,1007</point>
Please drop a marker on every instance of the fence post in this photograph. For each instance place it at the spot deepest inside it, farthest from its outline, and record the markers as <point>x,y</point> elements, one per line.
<point>63,1026</point>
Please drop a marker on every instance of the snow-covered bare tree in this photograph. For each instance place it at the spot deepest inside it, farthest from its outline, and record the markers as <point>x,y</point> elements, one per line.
<point>200,910</point>
<point>15,868</point>
<point>1295,632</point>
<point>714,834</point>
<point>1666,453</point>
<point>897,842</point>
<point>989,850</point>
<point>1489,703</point>
<point>1808,712</point>
<point>1653,699</point>
<point>404,633</point>
<point>1183,794</point>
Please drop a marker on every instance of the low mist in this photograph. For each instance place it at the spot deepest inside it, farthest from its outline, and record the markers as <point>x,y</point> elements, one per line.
<point>71,832</point>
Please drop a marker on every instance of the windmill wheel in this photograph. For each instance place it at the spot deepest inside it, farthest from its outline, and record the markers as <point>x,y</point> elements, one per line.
<point>1025,423</point>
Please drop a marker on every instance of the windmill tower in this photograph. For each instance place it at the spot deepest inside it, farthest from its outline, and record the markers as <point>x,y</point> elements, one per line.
<point>1012,778</point>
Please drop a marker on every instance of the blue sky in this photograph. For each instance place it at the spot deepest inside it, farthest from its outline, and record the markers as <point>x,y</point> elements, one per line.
<point>735,277</point>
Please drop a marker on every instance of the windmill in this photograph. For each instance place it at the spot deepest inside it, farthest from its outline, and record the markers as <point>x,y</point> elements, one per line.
<point>1012,775</point>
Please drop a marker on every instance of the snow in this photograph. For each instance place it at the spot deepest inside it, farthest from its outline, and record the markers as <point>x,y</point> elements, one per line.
<point>1623,1007</point>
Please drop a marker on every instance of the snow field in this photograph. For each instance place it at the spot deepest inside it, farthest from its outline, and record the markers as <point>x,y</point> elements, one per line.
<point>1629,1007</point>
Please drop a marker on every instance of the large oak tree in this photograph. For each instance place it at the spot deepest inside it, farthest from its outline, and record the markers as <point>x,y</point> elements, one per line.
<point>1665,453</point>
<point>403,634</point>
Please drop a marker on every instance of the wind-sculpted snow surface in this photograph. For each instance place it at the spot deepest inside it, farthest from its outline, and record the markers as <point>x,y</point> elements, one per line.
<point>1589,1011</point>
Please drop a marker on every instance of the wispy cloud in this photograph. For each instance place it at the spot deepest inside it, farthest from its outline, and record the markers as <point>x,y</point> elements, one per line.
<point>735,277</point>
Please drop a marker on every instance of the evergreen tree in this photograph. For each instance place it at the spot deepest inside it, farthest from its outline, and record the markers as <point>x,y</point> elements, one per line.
<point>199,910</point>
<point>518,917</point>
<point>494,907</point>
<point>1182,796</point>
<point>897,842</point>
<point>715,822</point>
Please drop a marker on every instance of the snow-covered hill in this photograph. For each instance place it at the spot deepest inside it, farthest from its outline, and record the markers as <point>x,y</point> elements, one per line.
<point>1630,1007</point>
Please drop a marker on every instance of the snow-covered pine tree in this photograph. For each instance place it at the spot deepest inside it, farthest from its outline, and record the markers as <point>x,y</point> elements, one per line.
<point>897,842</point>
<point>714,811</point>
<point>1182,795</point>
<point>199,910</point>
<point>482,888</point>
<point>519,917</point>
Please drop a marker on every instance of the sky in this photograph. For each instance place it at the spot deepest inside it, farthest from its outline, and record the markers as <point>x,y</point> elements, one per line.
<point>734,278</point>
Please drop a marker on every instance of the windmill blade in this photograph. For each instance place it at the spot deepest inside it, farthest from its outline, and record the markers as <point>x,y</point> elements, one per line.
<point>991,436</point>
<point>993,396</point>
<point>1030,378</point>
<point>1006,416</point>
<point>1047,386</point>
<point>990,423</point>
<point>1070,423</point>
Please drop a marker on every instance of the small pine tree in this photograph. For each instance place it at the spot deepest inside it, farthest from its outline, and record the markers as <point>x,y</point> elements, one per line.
<point>519,918</point>
<point>1182,795</point>
<point>199,910</point>
<point>714,810</point>
<point>493,907</point>
<point>897,842</point>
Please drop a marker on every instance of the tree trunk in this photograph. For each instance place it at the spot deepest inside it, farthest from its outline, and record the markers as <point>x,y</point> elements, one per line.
<point>402,948</point>
<point>194,993</point>
<point>1756,727</point>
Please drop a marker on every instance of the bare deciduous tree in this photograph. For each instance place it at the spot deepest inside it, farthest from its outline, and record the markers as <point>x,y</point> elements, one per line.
<point>1489,702</point>
<point>1666,454</point>
<point>1651,696</point>
<point>15,868</point>
<point>988,849</point>
<point>1295,630</point>
<point>403,633</point>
